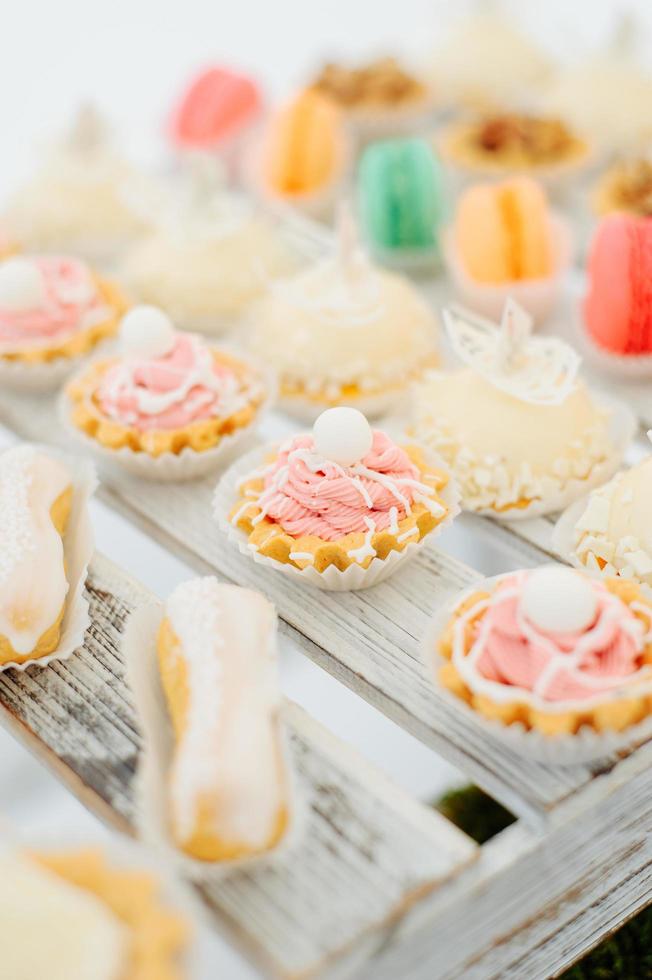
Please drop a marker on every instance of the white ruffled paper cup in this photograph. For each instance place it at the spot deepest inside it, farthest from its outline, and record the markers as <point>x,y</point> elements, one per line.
<point>537,296</point>
<point>586,745</point>
<point>332,579</point>
<point>623,428</point>
<point>78,549</point>
<point>152,801</point>
<point>189,464</point>
<point>42,378</point>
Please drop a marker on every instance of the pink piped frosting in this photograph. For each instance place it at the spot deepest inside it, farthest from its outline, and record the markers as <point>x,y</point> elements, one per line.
<point>310,495</point>
<point>71,303</point>
<point>511,650</point>
<point>185,385</point>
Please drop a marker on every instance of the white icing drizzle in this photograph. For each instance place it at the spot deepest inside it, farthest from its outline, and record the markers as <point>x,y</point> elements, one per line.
<point>301,556</point>
<point>33,583</point>
<point>366,549</point>
<point>232,394</point>
<point>407,534</point>
<point>229,751</point>
<point>466,662</point>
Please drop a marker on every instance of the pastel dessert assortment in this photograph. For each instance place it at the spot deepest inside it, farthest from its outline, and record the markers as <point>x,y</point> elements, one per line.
<point>72,915</point>
<point>616,311</point>
<point>166,392</point>
<point>76,201</point>
<point>341,495</point>
<point>210,252</point>
<point>551,650</point>
<point>216,108</point>
<point>54,309</point>
<point>401,199</point>
<point>343,331</point>
<point>519,430</point>
<point>229,795</point>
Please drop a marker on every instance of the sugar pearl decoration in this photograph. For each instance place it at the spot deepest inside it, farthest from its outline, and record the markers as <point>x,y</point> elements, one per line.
<point>559,600</point>
<point>21,284</point>
<point>146,332</point>
<point>342,435</point>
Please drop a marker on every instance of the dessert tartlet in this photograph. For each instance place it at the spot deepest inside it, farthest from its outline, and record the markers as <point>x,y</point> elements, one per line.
<point>210,252</point>
<point>505,241</point>
<point>499,145</point>
<point>217,108</point>
<point>228,797</point>
<point>550,652</point>
<point>70,915</point>
<point>381,98</point>
<point>343,332</point>
<point>520,432</point>
<point>340,507</point>
<point>302,155</point>
<point>486,62</point>
<point>609,532</point>
<point>616,311</point>
<point>45,547</point>
<point>76,202</point>
<point>401,201</point>
<point>626,186</point>
<point>169,405</point>
<point>53,311</point>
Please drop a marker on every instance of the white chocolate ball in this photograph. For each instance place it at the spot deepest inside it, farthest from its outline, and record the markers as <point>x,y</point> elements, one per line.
<point>559,600</point>
<point>21,284</point>
<point>146,332</point>
<point>342,435</point>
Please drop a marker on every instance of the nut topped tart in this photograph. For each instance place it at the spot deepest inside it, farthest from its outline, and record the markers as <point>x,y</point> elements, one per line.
<point>70,915</point>
<point>521,432</point>
<point>552,650</point>
<point>626,186</point>
<point>165,393</point>
<point>344,332</point>
<point>53,308</point>
<point>513,142</point>
<point>344,495</point>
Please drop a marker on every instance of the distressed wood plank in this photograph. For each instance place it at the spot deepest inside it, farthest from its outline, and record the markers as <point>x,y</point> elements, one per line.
<point>369,640</point>
<point>367,851</point>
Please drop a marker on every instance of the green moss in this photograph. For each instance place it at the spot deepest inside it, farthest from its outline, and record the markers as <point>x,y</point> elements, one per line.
<point>627,955</point>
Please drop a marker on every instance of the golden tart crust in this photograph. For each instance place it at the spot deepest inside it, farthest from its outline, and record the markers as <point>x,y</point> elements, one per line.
<point>520,143</point>
<point>269,539</point>
<point>87,416</point>
<point>158,935</point>
<point>82,341</point>
<point>610,716</point>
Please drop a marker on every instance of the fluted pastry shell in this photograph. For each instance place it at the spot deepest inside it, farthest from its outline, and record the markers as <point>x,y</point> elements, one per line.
<point>156,935</point>
<point>269,539</point>
<point>610,716</point>
<point>87,416</point>
<point>82,341</point>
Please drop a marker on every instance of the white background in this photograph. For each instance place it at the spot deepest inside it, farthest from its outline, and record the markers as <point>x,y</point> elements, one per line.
<point>131,58</point>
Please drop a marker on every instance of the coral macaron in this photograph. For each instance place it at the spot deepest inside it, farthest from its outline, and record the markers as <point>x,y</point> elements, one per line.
<point>618,305</point>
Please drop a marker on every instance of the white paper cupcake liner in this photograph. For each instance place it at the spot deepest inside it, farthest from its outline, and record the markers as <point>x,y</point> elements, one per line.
<point>354,577</point>
<point>537,296</point>
<point>35,378</point>
<point>624,427</point>
<point>175,467</point>
<point>632,367</point>
<point>78,549</point>
<point>140,657</point>
<point>587,745</point>
<point>368,124</point>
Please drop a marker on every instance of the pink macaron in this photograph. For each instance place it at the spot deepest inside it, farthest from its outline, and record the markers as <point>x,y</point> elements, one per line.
<point>618,305</point>
<point>217,105</point>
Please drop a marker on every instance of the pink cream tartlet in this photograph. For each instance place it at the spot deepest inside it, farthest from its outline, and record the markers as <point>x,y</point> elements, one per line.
<point>166,392</point>
<point>552,649</point>
<point>342,495</point>
<point>52,308</point>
